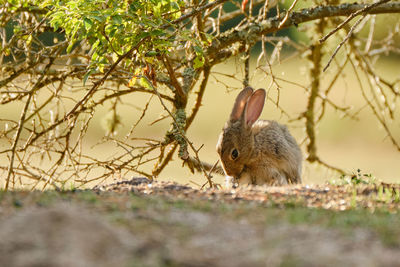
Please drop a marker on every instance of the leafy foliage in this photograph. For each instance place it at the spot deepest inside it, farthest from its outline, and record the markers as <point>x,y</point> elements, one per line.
<point>114,28</point>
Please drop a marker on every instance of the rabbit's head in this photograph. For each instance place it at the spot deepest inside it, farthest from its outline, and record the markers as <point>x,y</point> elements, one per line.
<point>236,143</point>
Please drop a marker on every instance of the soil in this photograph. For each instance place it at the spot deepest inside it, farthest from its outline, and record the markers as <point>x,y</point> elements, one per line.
<point>143,223</point>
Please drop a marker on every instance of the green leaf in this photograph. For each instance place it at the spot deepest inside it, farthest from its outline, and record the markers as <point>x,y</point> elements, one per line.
<point>117,19</point>
<point>95,55</point>
<point>143,35</point>
<point>198,50</point>
<point>100,67</point>
<point>88,24</point>
<point>29,40</point>
<point>157,32</point>
<point>113,32</point>
<point>95,45</point>
<point>198,62</point>
<point>98,18</point>
<point>70,46</point>
<point>87,74</point>
<point>17,29</point>
<point>152,54</point>
<point>145,83</point>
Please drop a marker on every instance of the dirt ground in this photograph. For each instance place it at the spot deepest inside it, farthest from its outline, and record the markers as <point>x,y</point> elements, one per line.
<point>137,223</point>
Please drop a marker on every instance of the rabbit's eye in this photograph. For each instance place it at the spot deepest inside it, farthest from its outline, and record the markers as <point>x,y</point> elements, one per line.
<point>234,154</point>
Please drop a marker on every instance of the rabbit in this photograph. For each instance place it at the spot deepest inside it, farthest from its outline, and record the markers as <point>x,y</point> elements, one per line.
<point>257,152</point>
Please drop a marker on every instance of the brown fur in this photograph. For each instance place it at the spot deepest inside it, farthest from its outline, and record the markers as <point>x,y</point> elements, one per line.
<point>268,153</point>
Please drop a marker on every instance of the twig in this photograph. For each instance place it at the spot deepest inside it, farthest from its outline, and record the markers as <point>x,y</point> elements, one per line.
<point>376,113</point>
<point>256,29</point>
<point>141,116</point>
<point>166,160</point>
<point>182,134</point>
<point>365,9</point>
<point>342,43</point>
<point>381,120</point>
<point>200,94</point>
<point>246,79</point>
<point>181,96</point>
<point>370,35</point>
<point>323,163</point>
<point>195,12</point>
<point>21,123</point>
<point>287,14</point>
<point>84,99</point>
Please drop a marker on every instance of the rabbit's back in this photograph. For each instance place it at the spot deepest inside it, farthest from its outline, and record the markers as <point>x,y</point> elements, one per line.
<point>276,148</point>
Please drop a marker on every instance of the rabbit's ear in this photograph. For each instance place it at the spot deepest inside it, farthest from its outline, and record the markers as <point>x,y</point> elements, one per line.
<point>240,104</point>
<point>255,106</point>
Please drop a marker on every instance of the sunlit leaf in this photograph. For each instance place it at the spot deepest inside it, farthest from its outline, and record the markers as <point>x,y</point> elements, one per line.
<point>86,76</point>
<point>145,83</point>
<point>88,24</point>
<point>117,19</point>
<point>132,81</point>
<point>198,62</point>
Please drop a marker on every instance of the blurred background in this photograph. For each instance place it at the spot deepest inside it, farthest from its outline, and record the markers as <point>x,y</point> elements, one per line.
<point>341,141</point>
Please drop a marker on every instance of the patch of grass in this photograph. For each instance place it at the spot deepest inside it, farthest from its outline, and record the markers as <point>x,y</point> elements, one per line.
<point>149,211</point>
<point>137,202</point>
<point>48,197</point>
<point>355,179</point>
<point>387,195</point>
<point>157,259</point>
<point>380,221</point>
<point>384,223</point>
<point>87,196</point>
<point>2,194</point>
<point>290,202</point>
<point>291,261</point>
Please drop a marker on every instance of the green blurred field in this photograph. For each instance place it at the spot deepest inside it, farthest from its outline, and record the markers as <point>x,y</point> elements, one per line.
<point>342,142</point>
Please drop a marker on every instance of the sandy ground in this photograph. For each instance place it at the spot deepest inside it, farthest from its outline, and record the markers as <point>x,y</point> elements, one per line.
<point>65,232</point>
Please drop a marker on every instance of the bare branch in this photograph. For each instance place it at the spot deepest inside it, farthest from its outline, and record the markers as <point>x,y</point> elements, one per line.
<point>21,123</point>
<point>255,30</point>
<point>358,12</point>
